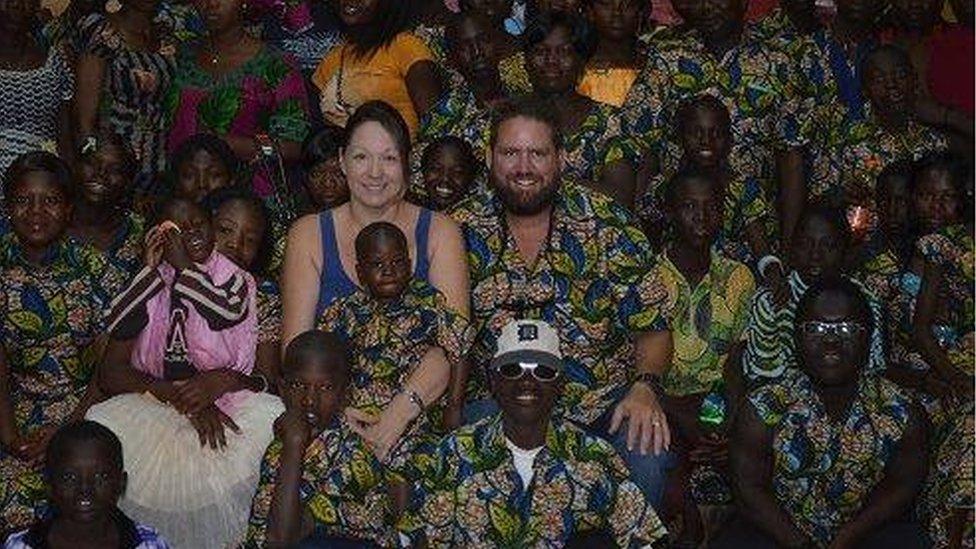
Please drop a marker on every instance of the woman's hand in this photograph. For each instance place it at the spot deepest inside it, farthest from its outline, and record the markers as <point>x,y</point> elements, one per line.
<point>211,424</point>
<point>383,432</point>
<point>200,391</point>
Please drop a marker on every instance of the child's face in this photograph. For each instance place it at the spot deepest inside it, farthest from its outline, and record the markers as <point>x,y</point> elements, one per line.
<point>696,213</point>
<point>315,391</point>
<point>705,137</point>
<point>85,483</point>
<point>326,184</point>
<point>239,230</point>
<point>201,174</point>
<point>447,177</point>
<point>103,178</point>
<point>39,211</point>
<point>195,230</point>
<point>889,85</point>
<point>893,204</point>
<point>817,249</point>
<point>384,269</point>
<point>936,201</point>
<point>615,19</point>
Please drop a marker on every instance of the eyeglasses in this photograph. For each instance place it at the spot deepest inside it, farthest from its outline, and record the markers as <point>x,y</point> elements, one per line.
<point>839,329</point>
<point>515,370</point>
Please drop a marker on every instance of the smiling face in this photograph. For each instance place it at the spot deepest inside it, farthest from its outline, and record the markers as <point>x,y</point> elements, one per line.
<point>709,16</point>
<point>38,209</point>
<point>104,178</point>
<point>219,14</point>
<point>86,483</point>
<point>373,164</point>
<point>195,229</point>
<point>889,84</point>
<point>448,174</point>
<point>525,165</point>
<point>705,135</point>
<point>525,400</point>
<point>472,49</point>
<point>832,339</point>
<point>554,66</point>
<point>326,184</point>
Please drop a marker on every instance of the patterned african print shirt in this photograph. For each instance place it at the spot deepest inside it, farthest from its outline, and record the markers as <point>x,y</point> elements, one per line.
<point>744,203</point>
<point>343,488</point>
<point>951,248</point>
<point>753,80</point>
<point>706,321</point>
<point>389,341</point>
<point>269,312</point>
<point>824,472</point>
<point>592,282</point>
<point>599,140</point>
<point>770,349</point>
<point>52,315</point>
<point>124,255</point>
<point>470,494</point>
<point>132,536</point>
<point>850,155</point>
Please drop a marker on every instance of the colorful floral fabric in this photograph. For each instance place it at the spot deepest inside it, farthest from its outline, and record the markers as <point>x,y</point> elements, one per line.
<point>950,487</point>
<point>470,494</point>
<point>52,316</point>
<point>824,472</point>
<point>264,95</point>
<point>343,487</point>
<point>514,75</point>
<point>269,312</point>
<point>592,282</point>
<point>770,350</point>
<point>952,249</point>
<point>706,321</point>
<point>388,343</point>
<point>744,203</point>
<point>849,156</point>
<point>599,140</point>
<point>134,88</point>
<point>124,256</point>
<point>754,80</point>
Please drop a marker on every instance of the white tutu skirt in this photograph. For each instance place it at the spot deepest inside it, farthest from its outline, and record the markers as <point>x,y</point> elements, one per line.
<point>195,497</point>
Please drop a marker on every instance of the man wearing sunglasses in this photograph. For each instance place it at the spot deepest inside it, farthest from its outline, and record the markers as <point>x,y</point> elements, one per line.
<point>544,247</point>
<point>524,477</point>
<point>833,453</point>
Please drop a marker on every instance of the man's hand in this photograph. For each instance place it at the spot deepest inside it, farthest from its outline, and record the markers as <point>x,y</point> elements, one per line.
<point>646,423</point>
<point>210,424</point>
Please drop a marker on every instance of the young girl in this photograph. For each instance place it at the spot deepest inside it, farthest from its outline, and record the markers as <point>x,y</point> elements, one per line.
<point>318,477</point>
<point>391,323</point>
<point>449,170</point>
<point>708,298</point>
<point>619,56</point>
<point>324,181</point>
<point>203,164</point>
<point>242,232</point>
<point>86,474</point>
<point>190,414</point>
<point>102,216</point>
<point>52,316</point>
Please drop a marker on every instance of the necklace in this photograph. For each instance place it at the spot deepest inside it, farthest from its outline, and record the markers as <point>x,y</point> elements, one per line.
<point>340,101</point>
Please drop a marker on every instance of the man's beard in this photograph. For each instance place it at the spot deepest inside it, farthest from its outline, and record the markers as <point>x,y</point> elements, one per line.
<point>521,204</point>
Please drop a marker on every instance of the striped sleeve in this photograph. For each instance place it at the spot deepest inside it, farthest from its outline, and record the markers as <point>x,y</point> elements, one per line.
<point>223,306</point>
<point>127,315</point>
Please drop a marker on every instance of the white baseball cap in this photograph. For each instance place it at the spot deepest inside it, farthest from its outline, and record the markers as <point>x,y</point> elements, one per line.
<point>530,341</point>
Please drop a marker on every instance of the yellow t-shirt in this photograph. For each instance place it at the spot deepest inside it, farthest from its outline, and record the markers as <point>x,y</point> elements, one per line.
<point>380,76</point>
<point>609,86</point>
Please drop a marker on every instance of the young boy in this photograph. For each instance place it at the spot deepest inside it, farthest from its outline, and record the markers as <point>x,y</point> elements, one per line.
<point>449,171</point>
<point>86,476</point>
<point>708,297</point>
<point>318,478</point>
<point>391,325</point>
